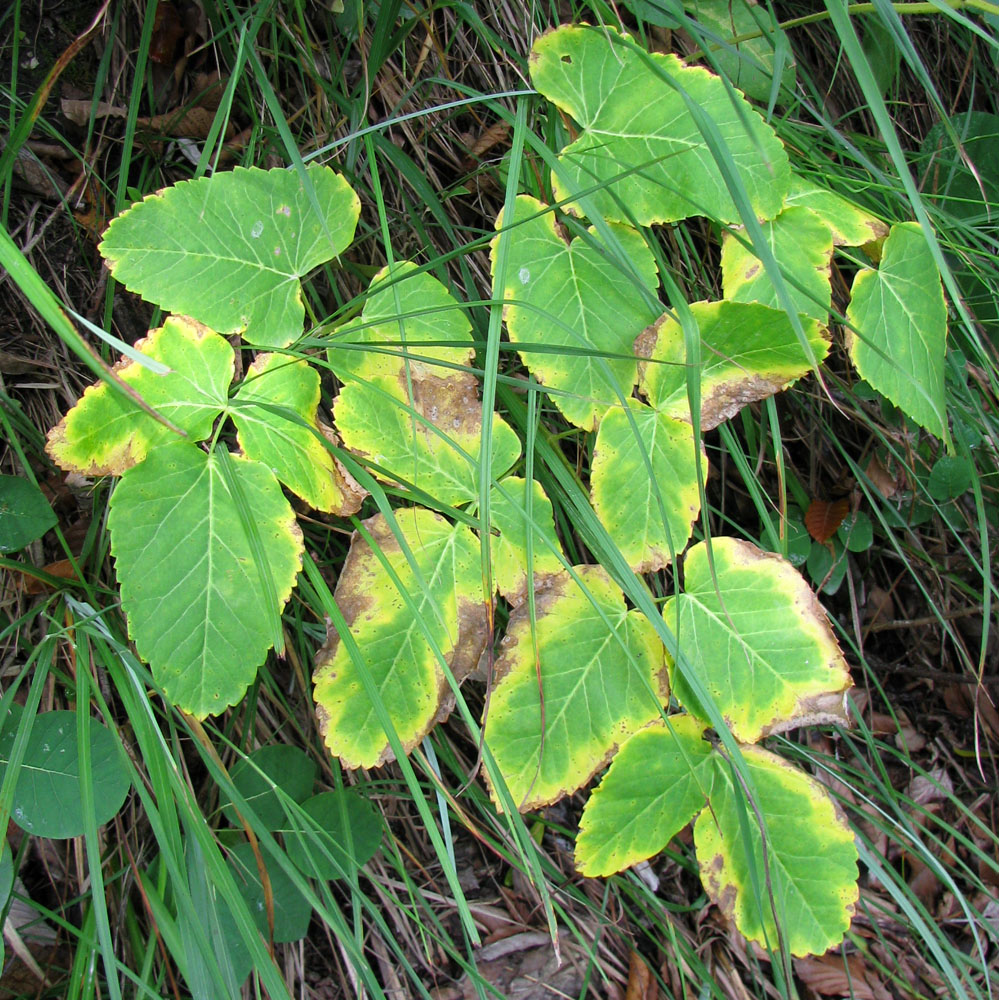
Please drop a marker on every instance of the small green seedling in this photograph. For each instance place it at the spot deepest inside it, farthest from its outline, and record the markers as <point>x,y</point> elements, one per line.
<point>208,549</point>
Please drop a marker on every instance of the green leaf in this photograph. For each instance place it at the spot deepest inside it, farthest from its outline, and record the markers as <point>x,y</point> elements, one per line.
<point>749,63</point>
<point>802,245</point>
<point>409,318</point>
<point>197,604</point>
<point>968,194</point>
<point>748,352</point>
<point>509,548</point>
<point>47,799</point>
<point>811,860</point>
<point>758,639</point>
<point>292,911</point>
<point>658,781</point>
<point>6,877</point>
<point>105,434</point>
<point>229,249</point>
<point>425,430</point>
<point>851,226</point>
<point>640,145</point>
<point>575,309</point>
<point>290,447</point>
<point>602,676</point>
<point>648,510</point>
<point>857,532</point>
<point>25,514</point>
<point>395,639</point>
<point>950,478</point>
<point>900,318</point>
<point>350,834</point>
<point>256,776</point>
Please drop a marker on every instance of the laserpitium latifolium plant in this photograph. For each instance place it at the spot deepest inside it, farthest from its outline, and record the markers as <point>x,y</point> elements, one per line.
<point>207,547</point>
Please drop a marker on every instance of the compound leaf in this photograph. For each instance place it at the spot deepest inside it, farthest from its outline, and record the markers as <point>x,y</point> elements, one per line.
<point>410,318</point>
<point>658,781</point>
<point>105,433</point>
<point>601,673</point>
<point>197,601</point>
<point>289,445</point>
<point>810,863</point>
<point>748,352</point>
<point>851,226</point>
<point>642,156</point>
<point>647,509</point>
<point>396,638</point>
<point>258,776</point>
<point>802,245</point>
<point>349,834</point>
<point>509,513</point>
<point>576,309</point>
<point>230,249</point>
<point>424,429</point>
<point>758,639</point>
<point>898,328</point>
<point>47,799</point>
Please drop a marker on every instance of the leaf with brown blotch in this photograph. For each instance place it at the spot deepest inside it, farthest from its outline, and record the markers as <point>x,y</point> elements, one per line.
<point>824,517</point>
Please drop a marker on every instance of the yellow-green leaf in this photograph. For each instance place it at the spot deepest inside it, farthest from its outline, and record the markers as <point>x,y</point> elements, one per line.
<point>758,639</point>
<point>851,226</point>
<point>647,509</point>
<point>809,874</point>
<point>396,637</point>
<point>105,434</point>
<point>572,686</point>
<point>658,781</point>
<point>641,155</point>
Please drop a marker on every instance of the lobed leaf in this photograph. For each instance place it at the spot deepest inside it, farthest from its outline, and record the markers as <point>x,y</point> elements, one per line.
<point>748,352</point>
<point>758,639</point>
<point>290,445</point>
<point>808,874</point>
<point>601,673</point>
<point>641,156</point>
<point>197,603</point>
<point>802,245</point>
<point>648,510</point>
<point>230,249</point>
<point>105,434</point>
<point>658,781</point>
<point>576,308</point>
<point>397,640</point>
<point>898,328</point>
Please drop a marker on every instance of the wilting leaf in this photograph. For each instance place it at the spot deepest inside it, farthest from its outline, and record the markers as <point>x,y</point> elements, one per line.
<point>105,434</point>
<point>810,866</point>
<point>230,249</point>
<point>754,633</point>
<point>396,638</point>
<point>572,686</point>
<point>641,156</point>
<point>824,517</point>
<point>576,308</point>
<point>648,510</point>
<point>197,601</point>
<point>898,328</point>
<point>658,781</point>
<point>748,352</point>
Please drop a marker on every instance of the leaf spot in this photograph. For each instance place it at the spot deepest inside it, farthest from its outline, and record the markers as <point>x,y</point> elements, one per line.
<point>257,229</point>
<point>284,210</point>
<point>524,275</point>
<point>277,251</point>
